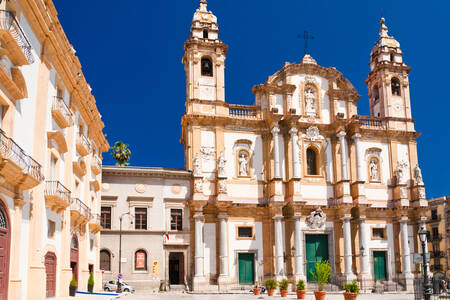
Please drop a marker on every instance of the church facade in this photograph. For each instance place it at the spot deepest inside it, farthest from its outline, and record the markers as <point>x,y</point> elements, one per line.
<point>299,176</point>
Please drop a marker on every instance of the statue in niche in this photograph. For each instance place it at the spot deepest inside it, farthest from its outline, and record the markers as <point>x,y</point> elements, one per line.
<point>373,169</point>
<point>243,163</point>
<point>418,175</point>
<point>221,165</point>
<point>196,163</point>
<point>310,101</point>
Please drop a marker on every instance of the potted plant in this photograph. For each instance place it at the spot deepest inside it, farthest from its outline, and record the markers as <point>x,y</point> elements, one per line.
<point>322,274</point>
<point>91,283</point>
<point>301,289</point>
<point>351,290</point>
<point>271,285</point>
<point>256,289</point>
<point>72,287</point>
<point>284,283</point>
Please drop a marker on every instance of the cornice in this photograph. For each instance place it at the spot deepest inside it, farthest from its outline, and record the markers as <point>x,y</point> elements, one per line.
<point>146,172</point>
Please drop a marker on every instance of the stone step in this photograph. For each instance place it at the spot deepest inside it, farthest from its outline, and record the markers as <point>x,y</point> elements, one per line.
<point>177,287</point>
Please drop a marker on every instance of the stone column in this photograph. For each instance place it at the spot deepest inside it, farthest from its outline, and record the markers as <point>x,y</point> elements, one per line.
<point>198,255</point>
<point>223,253</point>
<point>344,155</point>
<point>299,272</point>
<point>15,278</point>
<point>276,151</point>
<point>295,158</point>
<point>349,276</point>
<point>406,260</point>
<point>279,255</point>
<point>364,249</point>
<point>359,159</point>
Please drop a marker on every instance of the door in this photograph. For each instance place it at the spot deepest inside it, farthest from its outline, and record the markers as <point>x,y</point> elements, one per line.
<point>379,265</point>
<point>174,268</point>
<point>316,251</point>
<point>4,251</point>
<point>74,256</point>
<point>246,268</point>
<point>50,271</point>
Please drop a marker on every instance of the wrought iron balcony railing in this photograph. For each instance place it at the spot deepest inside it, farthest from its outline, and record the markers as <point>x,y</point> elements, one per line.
<point>83,145</point>
<point>78,205</point>
<point>61,112</point>
<point>55,188</point>
<point>9,22</point>
<point>95,223</point>
<point>96,165</point>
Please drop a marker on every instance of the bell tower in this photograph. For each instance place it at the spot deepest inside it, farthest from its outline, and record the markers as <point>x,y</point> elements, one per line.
<point>388,81</point>
<point>204,57</point>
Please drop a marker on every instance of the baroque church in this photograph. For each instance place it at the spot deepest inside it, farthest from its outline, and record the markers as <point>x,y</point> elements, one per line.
<point>300,176</point>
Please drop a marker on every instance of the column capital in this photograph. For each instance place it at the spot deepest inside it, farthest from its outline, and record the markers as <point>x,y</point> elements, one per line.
<point>275,129</point>
<point>277,217</point>
<point>293,131</point>
<point>19,202</point>
<point>341,134</point>
<point>362,219</point>
<point>223,217</point>
<point>356,136</point>
<point>346,218</point>
<point>198,216</point>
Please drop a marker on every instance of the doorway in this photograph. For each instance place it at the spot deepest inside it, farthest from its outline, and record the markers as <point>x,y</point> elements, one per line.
<point>246,268</point>
<point>50,271</point>
<point>5,240</point>
<point>74,256</point>
<point>379,265</point>
<point>176,268</point>
<point>316,251</point>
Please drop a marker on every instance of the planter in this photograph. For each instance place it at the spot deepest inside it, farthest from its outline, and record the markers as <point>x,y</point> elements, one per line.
<point>283,293</point>
<point>350,296</point>
<point>270,292</point>
<point>72,291</point>
<point>256,291</point>
<point>301,294</point>
<point>320,295</point>
<point>90,288</point>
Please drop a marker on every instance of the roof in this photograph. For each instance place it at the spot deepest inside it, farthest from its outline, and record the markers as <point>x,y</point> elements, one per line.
<point>146,172</point>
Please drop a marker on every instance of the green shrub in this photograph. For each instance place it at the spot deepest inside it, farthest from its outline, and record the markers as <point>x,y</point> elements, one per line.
<point>322,274</point>
<point>73,282</point>
<point>351,287</point>
<point>91,279</point>
<point>300,285</point>
<point>284,283</point>
<point>270,284</point>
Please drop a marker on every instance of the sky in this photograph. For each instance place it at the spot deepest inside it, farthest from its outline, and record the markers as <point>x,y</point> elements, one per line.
<point>131,56</point>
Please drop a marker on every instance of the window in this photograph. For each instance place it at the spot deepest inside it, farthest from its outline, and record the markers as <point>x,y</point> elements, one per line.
<point>376,93</point>
<point>105,218</point>
<point>395,86</point>
<point>392,57</point>
<point>434,215</point>
<point>205,33</point>
<point>245,232</point>
<point>51,229</point>
<point>140,260</point>
<point>311,161</point>
<point>378,234</point>
<point>141,218</point>
<point>105,260</point>
<point>74,242</point>
<point>206,65</point>
<point>176,217</point>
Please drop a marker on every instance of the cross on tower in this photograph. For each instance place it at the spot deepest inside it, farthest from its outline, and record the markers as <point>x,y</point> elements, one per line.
<point>306,36</point>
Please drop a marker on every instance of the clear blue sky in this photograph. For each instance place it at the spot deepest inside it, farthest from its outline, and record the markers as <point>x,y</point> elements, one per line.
<point>131,55</point>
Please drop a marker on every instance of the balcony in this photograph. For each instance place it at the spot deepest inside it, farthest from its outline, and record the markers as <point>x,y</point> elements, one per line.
<point>96,165</point>
<point>83,145</point>
<point>80,214</point>
<point>79,167</point>
<point>243,112</point>
<point>16,167</point>
<point>94,224</point>
<point>57,196</point>
<point>434,219</point>
<point>14,40</point>
<point>61,113</point>
<point>368,122</point>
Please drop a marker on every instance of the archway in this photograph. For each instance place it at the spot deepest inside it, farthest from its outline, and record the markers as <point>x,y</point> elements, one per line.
<point>74,256</point>
<point>5,244</point>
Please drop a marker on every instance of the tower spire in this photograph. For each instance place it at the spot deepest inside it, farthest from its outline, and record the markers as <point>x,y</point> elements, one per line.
<point>203,4</point>
<point>383,29</point>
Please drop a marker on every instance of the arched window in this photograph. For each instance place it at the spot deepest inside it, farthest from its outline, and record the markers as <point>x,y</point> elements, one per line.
<point>207,68</point>
<point>205,33</point>
<point>311,161</point>
<point>376,92</point>
<point>105,260</point>
<point>395,86</point>
<point>140,260</point>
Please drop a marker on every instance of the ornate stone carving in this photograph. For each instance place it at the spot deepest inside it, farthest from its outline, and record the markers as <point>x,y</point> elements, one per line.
<point>243,163</point>
<point>222,186</point>
<point>373,170</point>
<point>197,167</point>
<point>221,163</point>
<point>422,193</point>
<point>310,101</point>
<point>310,79</point>
<point>207,153</point>
<point>198,186</point>
<point>140,188</point>
<point>418,175</point>
<point>400,171</point>
<point>312,133</point>
<point>316,219</point>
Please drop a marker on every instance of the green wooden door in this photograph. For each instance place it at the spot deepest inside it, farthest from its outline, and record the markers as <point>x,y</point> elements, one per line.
<point>379,265</point>
<point>316,251</point>
<point>246,268</point>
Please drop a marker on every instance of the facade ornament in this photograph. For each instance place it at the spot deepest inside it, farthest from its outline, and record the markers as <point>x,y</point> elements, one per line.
<point>316,219</point>
<point>140,188</point>
<point>310,101</point>
<point>222,186</point>
<point>197,168</point>
<point>312,133</point>
<point>422,193</point>
<point>198,186</point>
<point>310,79</point>
<point>373,169</point>
<point>207,153</point>
<point>243,163</point>
<point>221,162</point>
<point>400,171</point>
<point>418,175</point>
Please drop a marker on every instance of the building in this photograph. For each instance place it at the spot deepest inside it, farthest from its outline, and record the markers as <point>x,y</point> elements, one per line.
<point>50,157</point>
<point>438,225</point>
<point>299,176</point>
<point>148,207</point>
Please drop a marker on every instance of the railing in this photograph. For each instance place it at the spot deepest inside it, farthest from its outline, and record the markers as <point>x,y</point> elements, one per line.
<point>9,22</point>
<point>240,111</point>
<point>95,218</point>
<point>369,122</point>
<point>84,141</point>
<point>97,162</point>
<point>55,188</point>
<point>77,204</point>
<point>59,104</point>
<point>10,150</point>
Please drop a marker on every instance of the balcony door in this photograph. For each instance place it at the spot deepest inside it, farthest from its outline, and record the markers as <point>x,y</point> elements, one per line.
<point>5,239</point>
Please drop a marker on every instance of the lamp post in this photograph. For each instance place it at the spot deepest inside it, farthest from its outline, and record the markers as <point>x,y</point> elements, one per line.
<point>426,283</point>
<point>119,284</point>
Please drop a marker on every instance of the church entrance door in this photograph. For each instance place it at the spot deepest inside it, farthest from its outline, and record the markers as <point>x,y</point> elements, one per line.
<point>246,268</point>
<point>379,265</point>
<point>316,251</point>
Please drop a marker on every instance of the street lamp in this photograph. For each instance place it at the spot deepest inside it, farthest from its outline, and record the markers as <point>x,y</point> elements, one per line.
<point>119,284</point>
<point>426,283</point>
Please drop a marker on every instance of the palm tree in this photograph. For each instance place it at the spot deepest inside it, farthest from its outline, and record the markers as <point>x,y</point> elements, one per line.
<point>121,154</point>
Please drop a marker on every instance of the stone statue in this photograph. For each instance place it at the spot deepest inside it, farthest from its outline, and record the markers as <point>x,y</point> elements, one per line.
<point>400,171</point>
<point>222,186</point>
<point>310,101</point>
<point>373,169</point>
<point>198,186</point>
<point>316,219</point>
<point>196,162</point>
<point>418,175</point>
<point>221,162</point>
<point>243,163</point>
